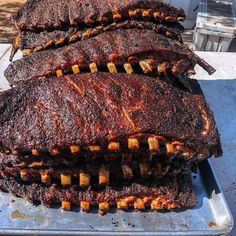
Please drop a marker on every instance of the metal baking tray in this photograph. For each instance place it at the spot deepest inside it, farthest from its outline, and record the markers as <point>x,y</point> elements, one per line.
<point>210,217</point>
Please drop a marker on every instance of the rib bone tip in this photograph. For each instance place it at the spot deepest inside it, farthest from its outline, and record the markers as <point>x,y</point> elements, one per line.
<point>127,172</point>
<point>74,149</point>
<point>65,179</point>
<point>84,179</point>
<point>34,152</point>
<point>145,66</point>
<point>66,205</point>
<point>59,73</point>
<point>153,144</point>
<point>121,204</point>
<point>75,69</point>
<point>93,67</point>
<point>85,206</point>
<point>133,143</point>
<point>104,176</point>
<point>128,68</point>
<point>111,67</point>
<point>114,146</point>
<point>139,204</point>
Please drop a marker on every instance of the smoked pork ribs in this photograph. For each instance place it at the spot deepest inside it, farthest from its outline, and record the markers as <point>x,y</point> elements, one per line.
<point>103,112</point>
<point>131,51</point>
<point>49,24</point>
<point>83,134</point>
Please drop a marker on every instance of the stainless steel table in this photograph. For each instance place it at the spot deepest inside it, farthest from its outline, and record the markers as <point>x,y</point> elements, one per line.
<point>220,92</point>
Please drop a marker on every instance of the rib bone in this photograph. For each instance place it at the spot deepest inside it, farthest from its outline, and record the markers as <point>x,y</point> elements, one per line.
<point>85,206</point>
<point>128,68</point>
<point>75,69</point>
<point>180,18</point>
<point>93,67</point>
<point>94,148</point>
<point>84,179</point>
<point>145,66</point>
<point>103,207</point>
<point>170,18</point>
<point>133,143</point>
<point>59,73</point>
<point>169,148</point>
<point>111,67</point>
<point>60,41</point>
<point>153,144</point>
<point>38,48</point>
<point>146,13</point>
<point>121,204</point>
<point>66,205</point>
<point>157,15</point>
<point>26,52</point>
<point>36,164</point>
<point>23,174</point>
<point>45,177</point>
<point>117,16</point>
<point>74,149</point>
<point>144,169</point>
<point>104,176</point>
<point>35,152</point>
<point>65,179</point>
<point>114,146</point>
<point>139,204</point>
<point>132,14</point>
<point>156,203</point>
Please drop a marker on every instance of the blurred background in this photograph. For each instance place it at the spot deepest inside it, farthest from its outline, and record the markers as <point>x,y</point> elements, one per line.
<point>210,24</point>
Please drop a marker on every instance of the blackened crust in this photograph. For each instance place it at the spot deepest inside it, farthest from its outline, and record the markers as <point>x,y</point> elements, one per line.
<point>89,109</point>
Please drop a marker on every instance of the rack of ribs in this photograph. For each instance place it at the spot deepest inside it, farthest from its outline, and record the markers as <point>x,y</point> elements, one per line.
<point>73,21</point>
<point>78,135</point>
<point>105,111</point>
<point>131,51</point>
<point>31,41</point>
<point>165,194</point>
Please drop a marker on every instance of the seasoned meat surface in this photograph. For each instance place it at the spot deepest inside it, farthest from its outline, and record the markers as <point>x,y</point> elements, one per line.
<point>94,109</point>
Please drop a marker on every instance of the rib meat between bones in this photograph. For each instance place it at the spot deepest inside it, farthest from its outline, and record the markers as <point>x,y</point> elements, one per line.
<point>51,14</point>
<point>169,193</point>
<point>31,41</point>
<point>113,51</point>
<point>99,171</point>
<point>100,109</point>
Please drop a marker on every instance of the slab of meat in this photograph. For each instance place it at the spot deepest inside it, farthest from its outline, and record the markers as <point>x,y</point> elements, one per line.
<point>105,111</point>
<point>131,50</point>
<point>31,41</point>
<point>51,14</point>
<point>169,193</point>
<point>97,171</point>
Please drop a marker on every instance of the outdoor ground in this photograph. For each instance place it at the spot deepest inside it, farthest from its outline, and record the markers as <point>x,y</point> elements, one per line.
<point>8,31</point>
